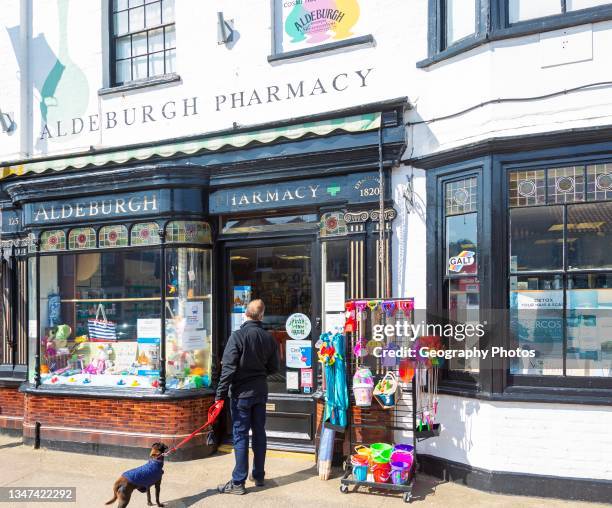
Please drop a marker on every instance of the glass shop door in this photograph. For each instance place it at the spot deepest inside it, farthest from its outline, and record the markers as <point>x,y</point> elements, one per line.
<point>281,274</point>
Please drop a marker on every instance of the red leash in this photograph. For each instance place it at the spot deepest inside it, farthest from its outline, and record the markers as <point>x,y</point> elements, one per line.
<point>213,413</point>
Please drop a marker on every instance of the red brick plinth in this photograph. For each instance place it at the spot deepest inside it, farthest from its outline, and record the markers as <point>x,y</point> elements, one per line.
<point>117,425</point>
<point>11,409</point>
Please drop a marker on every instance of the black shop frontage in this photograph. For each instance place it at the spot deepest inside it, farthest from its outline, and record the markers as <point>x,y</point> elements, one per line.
<point>136,272</point>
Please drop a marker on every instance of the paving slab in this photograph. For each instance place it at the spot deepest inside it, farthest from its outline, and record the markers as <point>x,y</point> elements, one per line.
<point>291,481</point>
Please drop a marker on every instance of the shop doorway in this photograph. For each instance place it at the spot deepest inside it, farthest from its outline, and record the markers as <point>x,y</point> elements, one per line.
<point>281,273</point>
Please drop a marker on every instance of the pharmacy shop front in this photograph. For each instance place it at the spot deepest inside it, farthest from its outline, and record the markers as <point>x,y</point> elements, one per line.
<point>126,278</point>
<point>303,262</point>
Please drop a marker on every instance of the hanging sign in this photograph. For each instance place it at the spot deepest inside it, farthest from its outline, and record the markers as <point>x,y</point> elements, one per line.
<point>298,326</point>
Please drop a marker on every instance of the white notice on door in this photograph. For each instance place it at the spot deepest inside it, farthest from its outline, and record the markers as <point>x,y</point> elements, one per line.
<point>334,297</point>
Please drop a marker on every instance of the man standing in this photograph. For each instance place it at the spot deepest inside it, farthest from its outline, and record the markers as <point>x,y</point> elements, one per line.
<point>251,354</point>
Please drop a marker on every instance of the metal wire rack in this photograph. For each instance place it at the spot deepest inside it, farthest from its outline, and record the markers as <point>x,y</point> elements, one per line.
<point>375,424</point>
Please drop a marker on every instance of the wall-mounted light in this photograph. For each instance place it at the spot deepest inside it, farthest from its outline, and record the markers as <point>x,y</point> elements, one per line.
<point>225,29</point>
<point>6,123</point>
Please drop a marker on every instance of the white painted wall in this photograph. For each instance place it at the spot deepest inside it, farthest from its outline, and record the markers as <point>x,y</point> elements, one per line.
<point>409,236</point>
<point>564,440</point>
<point>533,438</point>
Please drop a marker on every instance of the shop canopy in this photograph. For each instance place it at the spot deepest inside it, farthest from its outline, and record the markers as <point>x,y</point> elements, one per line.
<point>356,123</point>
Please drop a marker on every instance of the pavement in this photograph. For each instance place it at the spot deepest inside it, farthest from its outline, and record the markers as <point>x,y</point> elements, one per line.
<point>291,480</point>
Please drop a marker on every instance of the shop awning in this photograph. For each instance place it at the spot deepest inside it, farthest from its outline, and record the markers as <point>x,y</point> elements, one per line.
<point>356,123</point>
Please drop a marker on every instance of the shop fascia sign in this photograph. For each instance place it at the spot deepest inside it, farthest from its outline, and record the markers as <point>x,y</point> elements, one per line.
<point>228,101</point>
<point>357,188</point>
<point>93,208</point>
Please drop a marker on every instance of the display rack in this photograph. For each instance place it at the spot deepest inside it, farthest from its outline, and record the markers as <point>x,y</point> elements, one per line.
<point>396,424</point>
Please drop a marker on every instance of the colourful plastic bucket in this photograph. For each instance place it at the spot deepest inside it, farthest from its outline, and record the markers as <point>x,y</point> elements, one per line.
<point>399,472</point>
<point>359,460</point>
<point>406,457</point>
<point>381,472</point>
<point>360,473</point>
<point>363,394</point>
<point>363,450</point>
<point>381,452</point>
<point>403,448</point>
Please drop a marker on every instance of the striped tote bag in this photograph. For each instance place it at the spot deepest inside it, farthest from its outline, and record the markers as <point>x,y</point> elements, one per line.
<point>101,330</point>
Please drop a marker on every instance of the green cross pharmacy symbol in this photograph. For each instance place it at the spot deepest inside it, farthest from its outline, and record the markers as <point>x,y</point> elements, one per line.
<point>333,190</point>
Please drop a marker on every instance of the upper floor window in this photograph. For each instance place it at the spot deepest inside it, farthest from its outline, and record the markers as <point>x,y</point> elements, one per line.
<point>523,10</point>
<point>459,20</point>
<point>460,25</point>
<point>143,39</point>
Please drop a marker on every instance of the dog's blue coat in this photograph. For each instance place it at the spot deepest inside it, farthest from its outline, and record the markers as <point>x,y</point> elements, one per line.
<point>146,475</point>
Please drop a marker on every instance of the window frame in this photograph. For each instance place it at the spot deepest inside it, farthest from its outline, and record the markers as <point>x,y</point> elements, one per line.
<point>565,381</point>
<point>455,381</point>
<point>493,24</point>
<point>112,56</point>
<point>35,254</point>
<point>495,381</point>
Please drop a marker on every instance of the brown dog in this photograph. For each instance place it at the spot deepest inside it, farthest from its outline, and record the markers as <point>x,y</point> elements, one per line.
<point>141,478</point>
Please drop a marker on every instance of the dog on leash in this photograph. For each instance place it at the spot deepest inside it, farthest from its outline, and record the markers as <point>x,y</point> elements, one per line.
<point>141,478</point>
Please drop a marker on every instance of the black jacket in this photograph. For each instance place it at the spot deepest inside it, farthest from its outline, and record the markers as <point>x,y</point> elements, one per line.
<point>251,354</point>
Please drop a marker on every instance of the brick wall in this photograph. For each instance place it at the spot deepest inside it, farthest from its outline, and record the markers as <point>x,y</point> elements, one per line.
<point>11,408</point>
<point>115,422</point>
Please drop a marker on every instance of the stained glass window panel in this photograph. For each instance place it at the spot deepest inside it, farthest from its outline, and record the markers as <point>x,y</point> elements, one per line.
<point>599,182</point>
<point>113,236</point>
<point>82,238</point>
<point>146,233</point>
<point>333,224</point>
<point>188,232</point>
<point>52,241</point>
<point>461,196</point>
<point>527,187</point>
<point>566,185</point>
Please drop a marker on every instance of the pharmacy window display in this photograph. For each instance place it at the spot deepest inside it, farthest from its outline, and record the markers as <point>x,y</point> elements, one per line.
<point>103,292</point>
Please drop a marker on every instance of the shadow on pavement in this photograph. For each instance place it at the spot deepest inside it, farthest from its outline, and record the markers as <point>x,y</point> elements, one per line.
<point>186,501</point>
<point>11,445</point>
<point>271,483</point>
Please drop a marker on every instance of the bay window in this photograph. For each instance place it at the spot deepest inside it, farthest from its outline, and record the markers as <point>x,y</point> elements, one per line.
<point>560,270</point>
<point>107,301</point>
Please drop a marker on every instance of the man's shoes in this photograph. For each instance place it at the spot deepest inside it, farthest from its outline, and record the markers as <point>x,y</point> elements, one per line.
<point>231,488</point>
<point>258,483</point>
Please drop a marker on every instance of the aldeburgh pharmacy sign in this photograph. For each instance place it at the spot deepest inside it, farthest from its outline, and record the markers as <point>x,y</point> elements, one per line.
<point>354,188</point>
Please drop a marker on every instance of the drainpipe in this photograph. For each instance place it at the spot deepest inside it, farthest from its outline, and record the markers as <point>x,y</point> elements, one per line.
<point>26,124</point>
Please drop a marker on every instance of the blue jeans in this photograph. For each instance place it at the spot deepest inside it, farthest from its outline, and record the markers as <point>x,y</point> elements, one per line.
<point>249,414</point>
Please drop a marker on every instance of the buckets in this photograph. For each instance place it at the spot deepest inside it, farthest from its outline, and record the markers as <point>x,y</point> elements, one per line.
<point>364,451</point>
<point>403,448</point>
<point>404,457</point>
<point>381,452</point>
<point>360,467</point>
<point>381,472</point>
<point>363,394</point>
<point>400,472</point>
